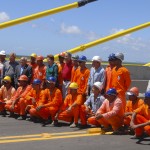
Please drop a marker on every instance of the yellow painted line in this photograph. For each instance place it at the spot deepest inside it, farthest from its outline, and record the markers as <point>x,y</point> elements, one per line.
<point>47,138</point>
<point>42,134</point>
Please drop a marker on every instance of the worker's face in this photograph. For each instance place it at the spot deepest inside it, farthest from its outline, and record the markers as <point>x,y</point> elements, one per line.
<point>96,64</point>
<point>32,59</point>
<point>75,62</point>
<point>61,59</point>
<point>36,86</point>
<point>50,85</point>
<point>110,98</point>
<point>50,61</point>
<point>132,98</point>
<point>6,83</point>
<point>12,58</point>
<point>112,63</point>
<point>95,90</point>
<point>67,57</point>
<point>147,101</point>
<point>39,62</point>
<point>22,83</point>
<point>73,91</point>
<point>23,62</point>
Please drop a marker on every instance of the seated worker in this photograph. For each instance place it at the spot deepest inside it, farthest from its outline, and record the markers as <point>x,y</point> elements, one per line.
<point>34,97</point>
<point>6,93</point>
<point>70,107</point>
<point>140,120</point>
<point>92,104</point>
<point>50,102</point>
<point>110,113</point>
<point>15,105</point>
<point>132,104</point>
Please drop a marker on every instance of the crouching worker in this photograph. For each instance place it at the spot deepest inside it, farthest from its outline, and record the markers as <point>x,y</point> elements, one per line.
<point>15,106</point>
<point>34,96</point>
<point>70,107</point>
<point>140,120</point>
<point>110,113</point>
<point>50,102</point>
<point>92,104</point>
<point>6,93</point>
<point>132,104</point>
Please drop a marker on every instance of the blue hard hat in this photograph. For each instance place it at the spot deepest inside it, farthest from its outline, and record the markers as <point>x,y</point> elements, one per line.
<point>111,57</point>
<point>36,81</point>
<point>147,94</point>
<point>111,91</point>
<point>51,79</point>
<point>82,58</point>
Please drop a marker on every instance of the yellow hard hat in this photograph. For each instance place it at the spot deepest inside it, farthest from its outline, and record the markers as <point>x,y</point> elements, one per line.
<point>33,55</point>
<point>7,78</point>
<point>73,85</point>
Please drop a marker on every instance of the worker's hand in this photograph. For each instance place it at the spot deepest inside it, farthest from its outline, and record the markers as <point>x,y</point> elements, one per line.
<point>27,108</point>
<point>127,114</point>
<point>56,116</point>
<point>134,126</point>
<point>39,107</point>
<point>98,116</point>
<point>69,109</point>
<point>12,107</point>
<point>131,124</point>
<point>33,101</point>
<point>87,109</point>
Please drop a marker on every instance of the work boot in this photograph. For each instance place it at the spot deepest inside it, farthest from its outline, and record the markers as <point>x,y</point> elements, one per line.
<point>22,117</point>
<point>73,125</point>
<point>46,122</point>
<point>54,123</point>
<point>11,115</point>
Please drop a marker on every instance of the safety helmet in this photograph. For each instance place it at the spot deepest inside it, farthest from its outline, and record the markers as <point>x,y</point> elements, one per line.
<point>75,57</point>
<point>51,79</point>
<point>73,85</point>
<point>82,58</point>
<point>119,56</point>
<point>147,94</point>
<point>62,54</point>
<point>133,91</point>
<point>111,57</point>
<point>7,78</point>
<point>99,85</point>
<point>23,78</point>
<point>39,58</point>
<point>111,91</point>
<point>33,55</point>
<point>36,81</point>
<point>97,58</point>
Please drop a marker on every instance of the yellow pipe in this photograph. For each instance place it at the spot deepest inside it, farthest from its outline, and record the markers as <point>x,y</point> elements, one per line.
<point>107,38</point>
<point>38,15</point>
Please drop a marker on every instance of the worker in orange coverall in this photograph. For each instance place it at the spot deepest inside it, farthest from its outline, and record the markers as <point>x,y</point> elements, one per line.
<point>6,93</point>
<point>70,107</point>
<point>16,101</point>
<point>140,120</point>
<point>81,76</point>
<point>50,102</point>
<point>110,113</point>
<point>120,79</point>
<point>133,103</point>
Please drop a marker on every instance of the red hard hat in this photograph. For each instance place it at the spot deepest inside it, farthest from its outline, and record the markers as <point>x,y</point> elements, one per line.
<point>62,54</point>
<point>23,78</point>
<point>39,58</point>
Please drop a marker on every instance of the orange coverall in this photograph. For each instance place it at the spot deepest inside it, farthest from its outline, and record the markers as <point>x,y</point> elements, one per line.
<point>108,71</point>
<point>81,78</point>
<point>130,107</point>
<point>51,102</point>
<point>40,73</point>
<point>21,93</point>
<point>69,100</point>
<point>143,115</point>
<point>112,114</point>
<point>5,96</point>
<point>121,81</point>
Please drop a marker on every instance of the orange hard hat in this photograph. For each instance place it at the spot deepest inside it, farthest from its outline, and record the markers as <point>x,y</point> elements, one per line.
<point>23,78</point>
<point>62,54</point>
<point>133,91</point>
<point>39,58</point>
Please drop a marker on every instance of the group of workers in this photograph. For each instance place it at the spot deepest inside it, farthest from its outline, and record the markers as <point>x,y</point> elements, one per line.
<point>67,90</point>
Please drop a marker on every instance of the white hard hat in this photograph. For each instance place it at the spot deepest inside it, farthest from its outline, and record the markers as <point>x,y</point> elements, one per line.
<point>119,56</point>
<point>97,58</point>
<point>99,85</point>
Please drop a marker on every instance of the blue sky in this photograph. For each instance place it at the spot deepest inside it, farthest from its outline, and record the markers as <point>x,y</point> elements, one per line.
<point>66,30</point>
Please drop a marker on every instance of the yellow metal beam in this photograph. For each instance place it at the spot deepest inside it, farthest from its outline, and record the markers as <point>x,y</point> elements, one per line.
<point>107,38</point>
<point>44,13</point>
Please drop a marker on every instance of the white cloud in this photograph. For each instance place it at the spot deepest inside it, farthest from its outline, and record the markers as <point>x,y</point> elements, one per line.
<point>70,29</point>
<point>34,25</point>
<point>4,17</point>
<point>91,36</point>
